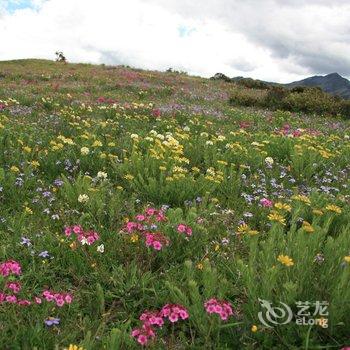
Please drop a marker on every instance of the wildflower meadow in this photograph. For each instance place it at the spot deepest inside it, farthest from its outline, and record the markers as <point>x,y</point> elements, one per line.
<point>143,209</point>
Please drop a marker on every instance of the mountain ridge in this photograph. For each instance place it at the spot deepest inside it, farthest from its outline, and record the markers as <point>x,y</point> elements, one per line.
<point>332,83</point>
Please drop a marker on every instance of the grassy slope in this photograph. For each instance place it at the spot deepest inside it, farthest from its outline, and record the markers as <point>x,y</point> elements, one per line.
<point>112,289</point>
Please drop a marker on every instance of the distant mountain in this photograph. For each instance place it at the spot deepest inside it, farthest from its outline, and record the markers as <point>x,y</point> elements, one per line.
<point>332,83</point>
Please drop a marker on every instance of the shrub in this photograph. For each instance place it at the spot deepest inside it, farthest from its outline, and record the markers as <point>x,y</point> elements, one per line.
<point>311,100</point>
<point>253,84</point>
<point>246,98</point>
<point>275,96</point>
<point>221,76</point>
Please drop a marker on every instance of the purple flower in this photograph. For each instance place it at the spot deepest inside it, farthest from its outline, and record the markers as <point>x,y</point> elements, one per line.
<point>58,182</point>
<point>26,241</point>
<point>52,321</point>
<point>44,254</point>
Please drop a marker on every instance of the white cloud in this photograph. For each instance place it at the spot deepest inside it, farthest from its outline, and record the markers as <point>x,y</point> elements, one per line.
<point>199,37</point>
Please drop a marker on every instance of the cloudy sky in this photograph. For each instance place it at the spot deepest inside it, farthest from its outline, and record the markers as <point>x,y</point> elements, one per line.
<point>276,40</point>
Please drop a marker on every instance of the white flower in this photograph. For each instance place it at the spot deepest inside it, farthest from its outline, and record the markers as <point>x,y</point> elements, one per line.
<point>269,160</point>
<point>84,241</point>
<point>101,248</point>
<point>209,143</point>
<point>102,175</point>
<point>134,136</point>
<point>83,198</point>
<point>84,151</point>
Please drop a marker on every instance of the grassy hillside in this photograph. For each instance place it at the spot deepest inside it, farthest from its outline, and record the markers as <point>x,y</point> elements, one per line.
<point>143,208</point>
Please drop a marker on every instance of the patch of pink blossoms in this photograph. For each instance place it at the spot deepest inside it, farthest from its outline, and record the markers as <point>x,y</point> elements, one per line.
<point>10,267</point>
<point>182,228</point>
<point>221,307</point>
<point>150,319</point>
<point>59,298</point>
<point>84,237</point>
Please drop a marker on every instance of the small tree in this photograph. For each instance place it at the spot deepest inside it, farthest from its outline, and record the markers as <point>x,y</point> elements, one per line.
<point>60,57</point>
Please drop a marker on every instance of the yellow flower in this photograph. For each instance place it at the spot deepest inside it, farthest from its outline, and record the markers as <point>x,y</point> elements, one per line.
<point>317,212</point>
<point>97,143</point>
<point>273,216</point>
<point>27,210</point>
<point>283,206</point>
<point>307,227</point>
<point>302,198</point>
<point>74,347</point>
<point>84,151</point>
<point>200,266</point>
<point>14,169</point>
<point>242,228</point>
<point>285,260</point>
<point>334,208</point>
<point>134,238</point>
<point>223,162</point>
<point>253,232</point>
<point>347,259</point>
<point>254,328</point>
<point>83,198</point>
<point>35,163</point>
<point>128,177</point>
<point>27,149</point>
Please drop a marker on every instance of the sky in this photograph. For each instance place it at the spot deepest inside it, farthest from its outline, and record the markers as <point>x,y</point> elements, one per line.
<point>273,40</point>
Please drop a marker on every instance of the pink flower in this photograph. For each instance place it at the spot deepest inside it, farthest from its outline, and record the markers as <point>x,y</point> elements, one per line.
<point>37,300</point>
<point>150,211</point>
<point>266,202</point>
<point>182,228</point>
<point>10,267</point>
<point>140,217</point>
<point>2,297</point>
<point>84,237</point>
<point>11,298</point>
<point>77,229</point>
<point>173,317</point>
<point>156,113</point>
<point>68,231</point>
<point>59,298</point>
<point>68,298</point>
<point>14,286</point>
<point>156,240</point>
<point>153,318</point>
<point>221,307</point>
<point>143,334</point>
<point>142,339</point>
<point>24,302</point>
<point>173,312</point>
